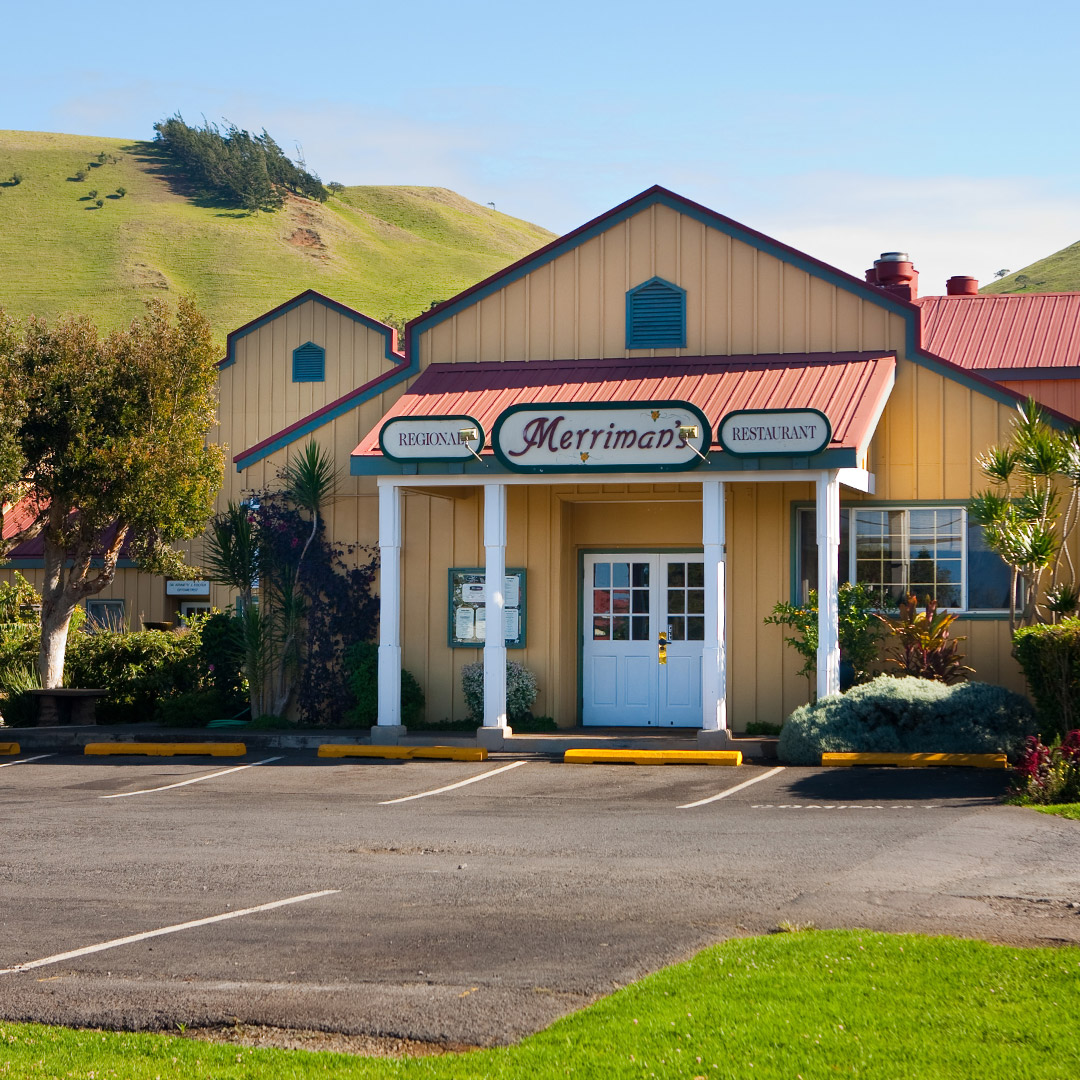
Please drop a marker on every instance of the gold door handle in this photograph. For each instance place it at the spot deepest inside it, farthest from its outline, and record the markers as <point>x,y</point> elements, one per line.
<point>662,644</point>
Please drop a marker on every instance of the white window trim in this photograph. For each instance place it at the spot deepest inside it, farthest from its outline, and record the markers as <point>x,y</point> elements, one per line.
<point>853,507</point>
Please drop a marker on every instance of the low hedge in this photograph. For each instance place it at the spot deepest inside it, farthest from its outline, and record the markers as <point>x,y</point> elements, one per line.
<point>908,715</point>
<point>1050,657</point>
<point>362,677</point>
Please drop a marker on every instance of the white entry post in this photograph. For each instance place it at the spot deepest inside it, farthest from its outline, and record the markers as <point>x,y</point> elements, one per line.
<point>828,543</point>
<point>389,727</point>
<point>495,726</point>
<point>714,654</point>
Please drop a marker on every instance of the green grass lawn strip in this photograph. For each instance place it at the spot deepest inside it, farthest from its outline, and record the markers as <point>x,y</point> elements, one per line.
<point>1065,810</point>
<point>788,1007</point>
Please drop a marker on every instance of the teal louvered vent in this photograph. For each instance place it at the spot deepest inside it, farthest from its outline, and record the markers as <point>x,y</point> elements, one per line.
<point>656,316</point>
<point>309,363</point>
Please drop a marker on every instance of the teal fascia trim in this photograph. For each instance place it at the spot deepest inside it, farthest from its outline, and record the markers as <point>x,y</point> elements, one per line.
<point>316,423</point>
<point>840,458</point>
<point>295,302</point>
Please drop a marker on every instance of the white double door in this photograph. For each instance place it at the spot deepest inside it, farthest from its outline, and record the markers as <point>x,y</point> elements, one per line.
<point>628,601</point>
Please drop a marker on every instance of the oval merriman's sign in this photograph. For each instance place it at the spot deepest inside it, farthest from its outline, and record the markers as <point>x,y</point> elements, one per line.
<point>791,432</point>
<point>658,436</point>
<point>431,438</point>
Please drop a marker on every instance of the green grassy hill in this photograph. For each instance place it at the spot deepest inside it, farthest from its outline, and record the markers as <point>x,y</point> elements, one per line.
<point>1059,272</point>
<point>388,251</point>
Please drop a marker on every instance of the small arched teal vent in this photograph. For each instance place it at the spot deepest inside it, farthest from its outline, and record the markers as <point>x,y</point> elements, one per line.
<point>656,316</point>
<point>309,363</point>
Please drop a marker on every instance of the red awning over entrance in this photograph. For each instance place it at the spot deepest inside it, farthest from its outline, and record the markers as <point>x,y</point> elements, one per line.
<point>849,388</point>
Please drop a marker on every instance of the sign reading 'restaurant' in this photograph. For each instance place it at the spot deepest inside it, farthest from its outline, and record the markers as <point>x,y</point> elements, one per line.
<point>578,437</point>
<point>791,432</point>
<point>431,438</point>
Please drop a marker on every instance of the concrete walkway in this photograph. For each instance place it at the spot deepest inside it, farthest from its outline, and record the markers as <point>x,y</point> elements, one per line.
<point>74,737</point>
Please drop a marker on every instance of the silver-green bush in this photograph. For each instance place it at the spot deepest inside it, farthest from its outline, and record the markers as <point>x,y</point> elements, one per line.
<point>908,715</point>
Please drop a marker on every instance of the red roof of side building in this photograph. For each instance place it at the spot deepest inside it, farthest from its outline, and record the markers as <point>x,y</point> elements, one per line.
<point>1005,334</point>
<point>850,388</point>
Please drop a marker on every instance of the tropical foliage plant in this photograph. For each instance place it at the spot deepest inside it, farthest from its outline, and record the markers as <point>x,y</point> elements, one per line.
<point>924,646</point>
<point>1031,513</point>
<point>1048,774</point>
<point>301,602</point>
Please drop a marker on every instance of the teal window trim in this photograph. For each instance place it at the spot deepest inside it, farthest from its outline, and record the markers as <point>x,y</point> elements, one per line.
<point>962,614</point>
<point>521,641</point>
<point>640,336</point>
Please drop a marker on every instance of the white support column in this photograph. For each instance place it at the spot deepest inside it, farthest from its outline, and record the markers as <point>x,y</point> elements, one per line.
<point>495,726</point>
<point>828,541</point>
<point>389,728</point>
<point>714,653</point>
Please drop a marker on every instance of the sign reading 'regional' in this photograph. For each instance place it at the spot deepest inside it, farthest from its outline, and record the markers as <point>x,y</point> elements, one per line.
<point>657,436</point>
<point>431,438</point>
<point>791,432</point>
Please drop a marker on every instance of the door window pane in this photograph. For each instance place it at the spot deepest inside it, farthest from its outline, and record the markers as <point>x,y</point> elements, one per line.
<point>695,628</point>
<point>601,629</point>
<point>601,604</point>
<point>676,575</point>
<point>620,601</point>
<point>640,575</point>
<point>639,627</point>
<point>676,602</point>
<point>620,628</point>
<point>602,575</point>
<point>620,575</point>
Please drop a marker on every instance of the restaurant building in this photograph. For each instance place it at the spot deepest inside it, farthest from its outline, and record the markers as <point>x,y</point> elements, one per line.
<point>610,460</point>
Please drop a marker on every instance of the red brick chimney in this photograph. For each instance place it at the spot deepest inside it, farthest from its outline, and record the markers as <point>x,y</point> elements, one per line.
<point>962,286</point>
<point>894,273</point>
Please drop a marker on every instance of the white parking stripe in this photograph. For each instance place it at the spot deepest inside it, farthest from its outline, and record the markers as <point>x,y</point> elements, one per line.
<point>731,791</point>
<point>196,780</point>
<point>460,783</point>
<point>24,760</point>
<point>59,957</point>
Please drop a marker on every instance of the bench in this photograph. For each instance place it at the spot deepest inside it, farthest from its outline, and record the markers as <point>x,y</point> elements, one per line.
<point>67,706</point>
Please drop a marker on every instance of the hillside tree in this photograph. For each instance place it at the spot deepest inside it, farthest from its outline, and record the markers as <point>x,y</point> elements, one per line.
<point>103,448</point>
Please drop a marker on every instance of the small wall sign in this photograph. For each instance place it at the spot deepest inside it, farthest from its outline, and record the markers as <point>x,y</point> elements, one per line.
<point>614,437</point>
<point>761,432</point>
<point>187,588</point>
<point>467,620</point>
<point>431,438</point>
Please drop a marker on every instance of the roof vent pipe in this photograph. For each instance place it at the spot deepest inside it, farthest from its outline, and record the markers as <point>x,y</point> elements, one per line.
<point>894,272</point>
<point>962,286</point>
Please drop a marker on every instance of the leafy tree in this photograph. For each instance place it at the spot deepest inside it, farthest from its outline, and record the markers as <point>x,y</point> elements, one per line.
<point>1031,516</point>
<point>105,446</point>
<point>857,625</point>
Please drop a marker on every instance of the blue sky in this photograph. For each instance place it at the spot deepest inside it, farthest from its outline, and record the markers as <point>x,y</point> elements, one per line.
<point>845,129</point>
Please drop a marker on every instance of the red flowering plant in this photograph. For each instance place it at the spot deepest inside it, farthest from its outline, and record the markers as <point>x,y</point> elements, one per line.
<point>1048,774</point>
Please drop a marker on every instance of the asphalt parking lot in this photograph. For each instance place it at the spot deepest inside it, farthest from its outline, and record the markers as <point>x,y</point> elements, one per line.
<point>472,902</point>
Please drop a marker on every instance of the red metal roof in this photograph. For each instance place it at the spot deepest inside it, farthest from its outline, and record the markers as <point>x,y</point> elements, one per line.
<point>850,388</point>
<point>1005,333</point>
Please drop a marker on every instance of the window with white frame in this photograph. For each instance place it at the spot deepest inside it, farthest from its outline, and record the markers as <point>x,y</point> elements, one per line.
<point>931,551</point>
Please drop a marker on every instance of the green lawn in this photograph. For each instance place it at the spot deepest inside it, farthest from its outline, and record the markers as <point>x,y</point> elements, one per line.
<point>1066,810</point>
<point>385,250</point>
<point>788,1007</point>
